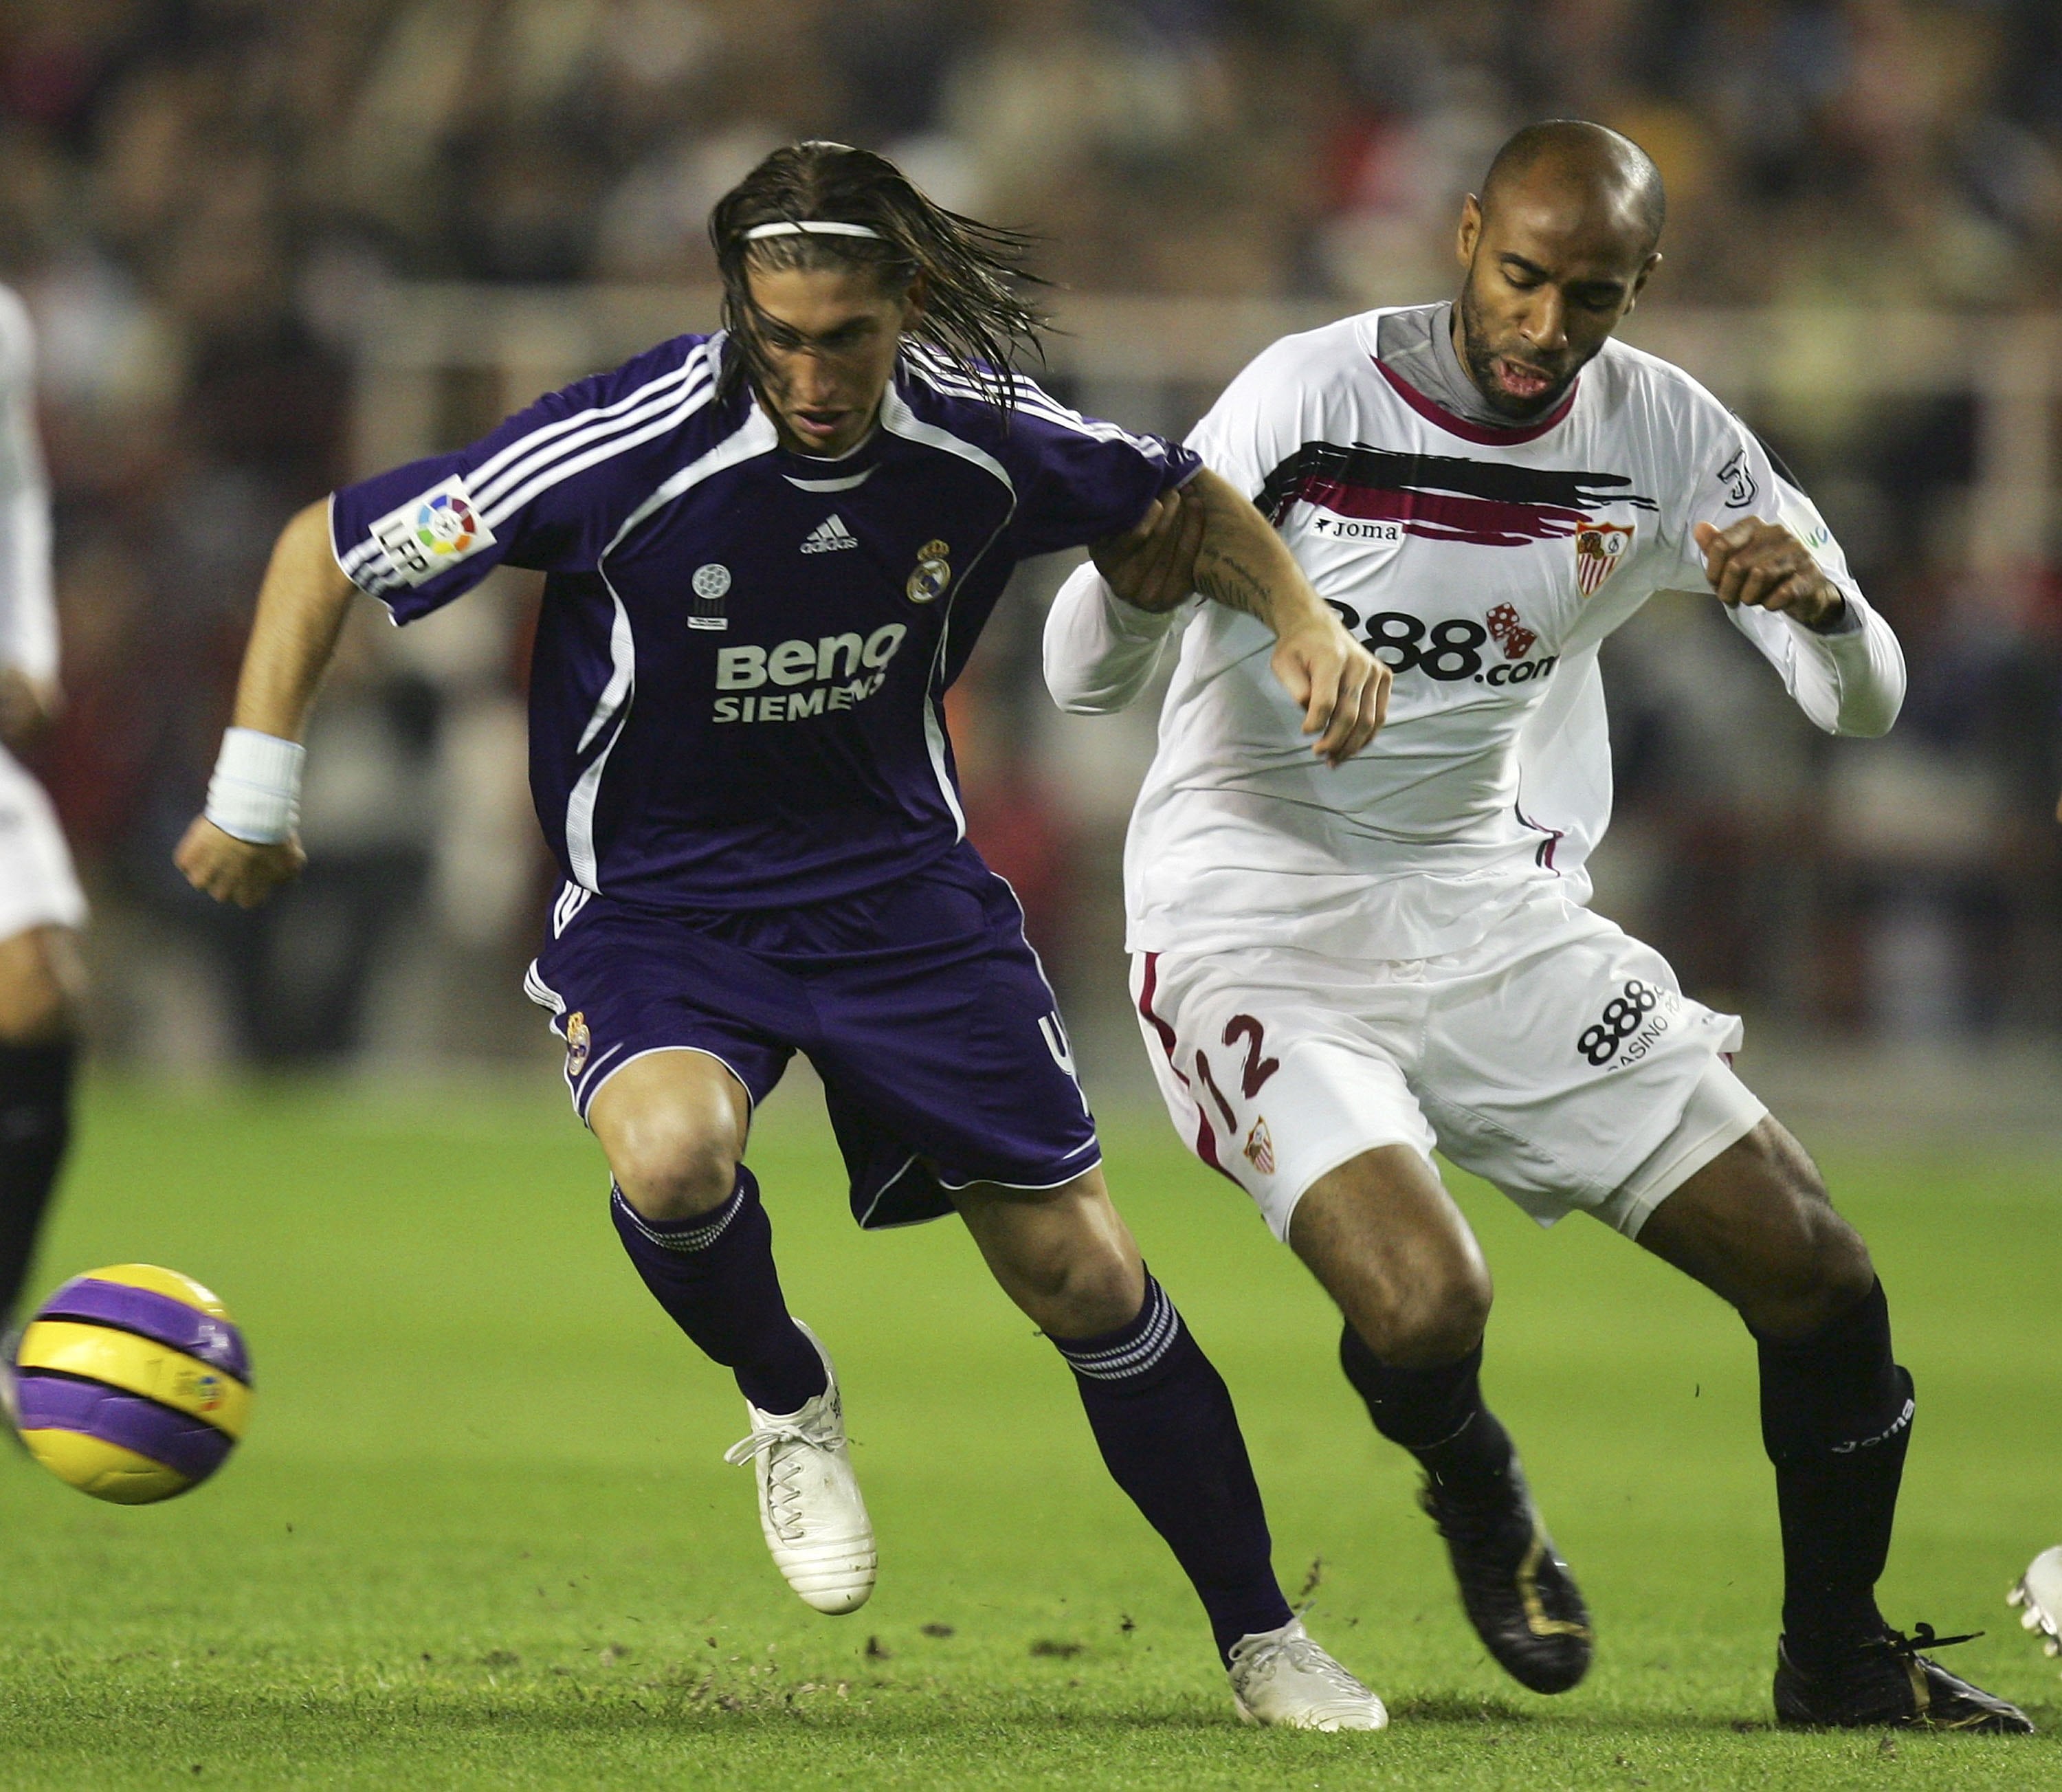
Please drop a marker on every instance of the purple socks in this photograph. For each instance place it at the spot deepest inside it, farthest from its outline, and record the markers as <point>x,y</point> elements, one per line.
<point>714,1275</point>
<point>1164,1420</point>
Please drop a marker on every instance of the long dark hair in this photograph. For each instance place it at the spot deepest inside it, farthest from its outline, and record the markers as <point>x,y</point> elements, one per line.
<point>974,311</point>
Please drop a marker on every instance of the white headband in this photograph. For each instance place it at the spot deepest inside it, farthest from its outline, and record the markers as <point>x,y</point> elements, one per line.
<point>814,227</point>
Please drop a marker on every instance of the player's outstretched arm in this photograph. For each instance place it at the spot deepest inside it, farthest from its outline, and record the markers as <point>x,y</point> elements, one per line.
<point>301,608</point>
<point>1241,563</point>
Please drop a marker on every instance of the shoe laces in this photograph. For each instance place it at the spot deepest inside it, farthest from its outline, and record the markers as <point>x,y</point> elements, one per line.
<point>1262,1657</point>
<point>1908,1648</point>
<point>784,1466</point>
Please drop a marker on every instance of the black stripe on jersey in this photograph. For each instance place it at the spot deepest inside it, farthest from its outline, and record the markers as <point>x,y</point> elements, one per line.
<point>1320,465</point>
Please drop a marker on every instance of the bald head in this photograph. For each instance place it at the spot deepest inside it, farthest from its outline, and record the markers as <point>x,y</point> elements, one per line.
<point>1557,248</point>
<point>1572,160</point>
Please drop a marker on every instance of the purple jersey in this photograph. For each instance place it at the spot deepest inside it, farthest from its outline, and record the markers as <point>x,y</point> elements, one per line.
<point>737,696</point>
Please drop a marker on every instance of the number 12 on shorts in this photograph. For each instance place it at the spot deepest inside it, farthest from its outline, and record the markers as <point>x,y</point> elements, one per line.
<point>1255,1071</point>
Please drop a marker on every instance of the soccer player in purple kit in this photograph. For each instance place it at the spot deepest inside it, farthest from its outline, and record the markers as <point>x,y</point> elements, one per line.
<point>769,552</point>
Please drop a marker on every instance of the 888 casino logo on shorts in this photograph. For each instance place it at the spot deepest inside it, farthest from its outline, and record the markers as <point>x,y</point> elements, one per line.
<point>1631,1021</point>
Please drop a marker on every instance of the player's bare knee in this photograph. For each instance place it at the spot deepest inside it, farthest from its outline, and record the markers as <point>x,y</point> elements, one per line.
<point>42,987</point>
<point>671,1167</point>
<point>1827,1267</point>
<point>1437,1316</point>
<point>1077,1284</point>
<point>39,1015</point>
<point>1101,1293</point>
<point>1821,1270</point>
<point>1841,1271</point>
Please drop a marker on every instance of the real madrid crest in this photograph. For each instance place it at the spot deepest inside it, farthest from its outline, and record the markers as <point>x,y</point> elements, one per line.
<point>578,1042</point>
<point>933,573</point>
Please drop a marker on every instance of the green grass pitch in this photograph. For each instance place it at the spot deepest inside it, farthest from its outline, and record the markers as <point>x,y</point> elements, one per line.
<point>481,1534</point>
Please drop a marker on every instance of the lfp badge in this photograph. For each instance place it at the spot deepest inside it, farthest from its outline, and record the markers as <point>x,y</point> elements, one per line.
<point>431,532</point>
<point>445,524</point>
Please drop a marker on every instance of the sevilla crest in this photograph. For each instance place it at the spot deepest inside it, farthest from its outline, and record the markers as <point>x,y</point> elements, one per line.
<point>1599,549</point>
<point>1260,1148</point>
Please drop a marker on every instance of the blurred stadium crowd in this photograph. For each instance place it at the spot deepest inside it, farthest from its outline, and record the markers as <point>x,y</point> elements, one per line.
<point>202,200</point>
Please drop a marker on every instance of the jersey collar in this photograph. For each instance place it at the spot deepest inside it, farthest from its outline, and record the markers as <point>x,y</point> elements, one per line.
<point>1485,434</point>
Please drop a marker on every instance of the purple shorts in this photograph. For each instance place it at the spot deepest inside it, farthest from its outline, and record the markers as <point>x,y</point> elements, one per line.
<point>920,1004</point>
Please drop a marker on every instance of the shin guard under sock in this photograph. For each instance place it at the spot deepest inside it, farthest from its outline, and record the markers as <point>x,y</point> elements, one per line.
<point>1836,1421</point>
<point>1163,1419</point>
<point>714,1275</point>
<point>1437,1414</point>
<point>35,1126</point>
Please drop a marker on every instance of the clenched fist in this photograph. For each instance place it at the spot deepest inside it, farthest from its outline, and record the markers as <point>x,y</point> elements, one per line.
<point>231,870</point>
<point>1764,565</point>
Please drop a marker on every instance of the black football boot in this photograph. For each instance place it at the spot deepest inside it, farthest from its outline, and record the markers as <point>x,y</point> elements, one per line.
<point>1516,1591</point>
<point>1888,1684</point>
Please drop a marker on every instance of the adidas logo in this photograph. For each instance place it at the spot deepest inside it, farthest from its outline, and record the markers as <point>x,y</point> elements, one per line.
<point>828,536</point>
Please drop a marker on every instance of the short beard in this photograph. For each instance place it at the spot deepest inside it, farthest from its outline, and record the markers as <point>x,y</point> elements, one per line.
<point>1481,365</point>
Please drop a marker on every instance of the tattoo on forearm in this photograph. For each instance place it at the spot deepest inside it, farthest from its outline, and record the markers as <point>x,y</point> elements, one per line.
<point>1232,583</point>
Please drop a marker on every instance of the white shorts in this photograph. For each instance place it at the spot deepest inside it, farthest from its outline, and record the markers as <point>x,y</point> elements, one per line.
<point>38,886</point>
<point>1557,1059</point>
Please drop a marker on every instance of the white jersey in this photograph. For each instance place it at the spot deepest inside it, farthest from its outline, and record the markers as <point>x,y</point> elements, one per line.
<point>1484,565</point>
<point>28,617</point>
<point>38,886</point>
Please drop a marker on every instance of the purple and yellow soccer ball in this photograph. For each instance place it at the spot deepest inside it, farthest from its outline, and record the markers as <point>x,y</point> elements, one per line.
<point>133,1383</point>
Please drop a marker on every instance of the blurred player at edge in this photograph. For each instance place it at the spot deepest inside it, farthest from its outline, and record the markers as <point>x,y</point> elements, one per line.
<point>1334,974</point>
<point>42,980</point>
<point>770,552</point>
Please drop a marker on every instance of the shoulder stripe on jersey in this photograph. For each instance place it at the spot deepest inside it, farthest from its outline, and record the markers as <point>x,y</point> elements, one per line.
<point>1049,411</point>
<point>1046,409</point>
<point>489,492</point>
<point>602,445</point>
<point>555,441</point>
<point>690,403</point>
<point>943,376</point>
<point>937,361</point>
<point>1033,400</point>
<point>487,474</point>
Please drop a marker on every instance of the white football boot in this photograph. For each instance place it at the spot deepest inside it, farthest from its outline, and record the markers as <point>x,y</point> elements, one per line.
<point>1282,1676</point>
<point>809,1506</point>
<point>2039,1592</point>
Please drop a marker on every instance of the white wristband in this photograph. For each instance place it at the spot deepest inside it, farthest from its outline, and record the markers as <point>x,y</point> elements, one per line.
<point>255,793</point>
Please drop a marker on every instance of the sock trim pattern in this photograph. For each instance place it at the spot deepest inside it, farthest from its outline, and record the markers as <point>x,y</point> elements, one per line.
<point>1139,1347</point>
<point>687,1236</point>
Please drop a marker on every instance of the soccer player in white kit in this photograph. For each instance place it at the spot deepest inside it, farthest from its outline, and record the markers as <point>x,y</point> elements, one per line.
<point>1338,970</point>
<point>42,908</point>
